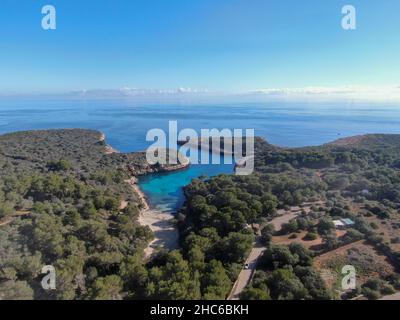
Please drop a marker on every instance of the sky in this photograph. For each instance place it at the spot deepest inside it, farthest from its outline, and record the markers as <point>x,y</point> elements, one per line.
<point>267,47</point>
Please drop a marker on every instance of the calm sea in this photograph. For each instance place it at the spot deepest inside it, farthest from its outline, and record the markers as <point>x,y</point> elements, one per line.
<point>126,124</point>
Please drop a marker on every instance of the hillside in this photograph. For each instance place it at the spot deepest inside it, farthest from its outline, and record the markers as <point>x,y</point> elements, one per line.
<point>357,178</point>
<point>369,141</point>
<point>60,204</point>
<point>61,196</point>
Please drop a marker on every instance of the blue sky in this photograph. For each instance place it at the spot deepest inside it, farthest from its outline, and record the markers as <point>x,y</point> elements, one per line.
<point>218,45</point>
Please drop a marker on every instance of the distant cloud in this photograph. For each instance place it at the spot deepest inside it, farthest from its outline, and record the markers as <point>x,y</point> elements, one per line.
<point>272,92</point>
<point>137,92</point>
<point>349,92</point>
<point>307,91</point>
<point>186,94</point>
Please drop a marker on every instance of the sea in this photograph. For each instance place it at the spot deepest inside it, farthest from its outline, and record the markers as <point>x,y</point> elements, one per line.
<point>126,124</point>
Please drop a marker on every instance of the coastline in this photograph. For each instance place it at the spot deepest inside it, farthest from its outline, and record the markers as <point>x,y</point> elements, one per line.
<point>133,182</point>
<point>160,223</point>
<point>107,148</point>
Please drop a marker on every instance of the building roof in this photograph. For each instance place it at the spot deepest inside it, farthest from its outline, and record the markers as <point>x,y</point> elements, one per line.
<point>338,223</point>
<point>347,221</point>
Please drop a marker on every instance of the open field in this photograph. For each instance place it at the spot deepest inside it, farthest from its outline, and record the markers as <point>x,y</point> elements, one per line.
<point>388,229</point>
<point>309,244</point>
<point>369,263</point>
<point>284,216</point>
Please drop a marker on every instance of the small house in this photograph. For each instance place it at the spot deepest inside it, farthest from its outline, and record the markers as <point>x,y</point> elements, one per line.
<point>348,222</point>
<point>343,223</point>
<point>339,224</point>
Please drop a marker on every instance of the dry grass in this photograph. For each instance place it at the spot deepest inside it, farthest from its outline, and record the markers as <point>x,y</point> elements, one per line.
<point>309,244</point>
<point>388,229</point>
<point>369,263</point>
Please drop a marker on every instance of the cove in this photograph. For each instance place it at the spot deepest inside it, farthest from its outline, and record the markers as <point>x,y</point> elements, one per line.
<point>164,191</point>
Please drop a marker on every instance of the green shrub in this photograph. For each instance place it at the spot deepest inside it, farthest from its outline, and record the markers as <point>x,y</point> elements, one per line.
<point>310,236</point>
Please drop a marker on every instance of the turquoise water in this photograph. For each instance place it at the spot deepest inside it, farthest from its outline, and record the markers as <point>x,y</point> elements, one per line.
<point>126,124</point>
<point>164,191</point>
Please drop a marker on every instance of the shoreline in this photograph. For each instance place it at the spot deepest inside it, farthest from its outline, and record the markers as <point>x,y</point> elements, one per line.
<point>107,148</point>
<point>160,223</point>
<point>134,183</point>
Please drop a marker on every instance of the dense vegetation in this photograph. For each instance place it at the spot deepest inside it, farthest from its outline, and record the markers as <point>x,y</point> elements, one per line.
<point>363,171</point>
<point>287,273</point>
<point>60,204</point>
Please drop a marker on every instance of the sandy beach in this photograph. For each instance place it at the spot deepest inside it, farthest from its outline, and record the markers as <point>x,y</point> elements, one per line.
<point>165,233</point>
<point>161,223</point>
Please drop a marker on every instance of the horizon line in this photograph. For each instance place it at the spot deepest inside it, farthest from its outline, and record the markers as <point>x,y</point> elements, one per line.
<point>348,93</point>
